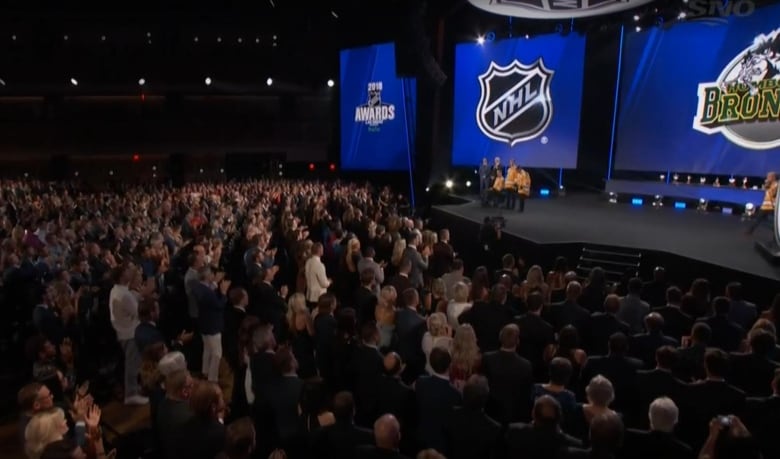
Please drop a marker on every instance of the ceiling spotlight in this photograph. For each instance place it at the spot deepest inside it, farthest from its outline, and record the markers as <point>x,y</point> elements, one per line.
<point>240,40</point>
<point>74,82</point>
<point>148,42</point>
<point>201,170</point>
<point>468,183</point>
<point>269,81</point>
<point>208,81</point>
<point>13,37</point>
<point>682,15</point>
<point>195,39</point>
<point>273,5</point>
<point>481,40</point>
<point>2,82</point>
<point>274,37</point>
<point>333,13</point>
<point>65,37</point>
<point>148,34</point>
<point>102,38</point>
<point>448,184</point>
<point>219,39</point>
<point>638,29</point>
<point>257,39</point>
<point>636,17</point>
<point>527,36</point>
<point>330,83</point>
<point>141,82</point>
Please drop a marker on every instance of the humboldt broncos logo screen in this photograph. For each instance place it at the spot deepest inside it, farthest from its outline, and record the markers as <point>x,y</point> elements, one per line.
<point>744,103</point>
<point>374,112</point>
<point>519,99</point>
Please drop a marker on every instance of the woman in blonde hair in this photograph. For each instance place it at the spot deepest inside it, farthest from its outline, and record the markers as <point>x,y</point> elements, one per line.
<point>460,303</point>
<point>438,335</point>
<point>301,335</point>
<point>466,358</point>
<point>534,282</point>
<point>384,314</point>
<point>44,428</point>
<point>398,254</point>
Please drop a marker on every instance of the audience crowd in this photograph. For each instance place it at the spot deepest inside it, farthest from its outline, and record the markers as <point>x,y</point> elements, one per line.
<point>313,320</point>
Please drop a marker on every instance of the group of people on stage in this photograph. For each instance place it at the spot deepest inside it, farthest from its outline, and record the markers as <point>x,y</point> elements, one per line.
<point>496,187</point>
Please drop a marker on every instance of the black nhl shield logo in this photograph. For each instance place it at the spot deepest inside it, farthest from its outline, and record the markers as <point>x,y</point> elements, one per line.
<point>515,103</point>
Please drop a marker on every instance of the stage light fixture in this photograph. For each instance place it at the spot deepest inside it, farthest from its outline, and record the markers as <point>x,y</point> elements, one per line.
<point>281,174</point>
<point>638,29</point>
<point>141,81</point>
<point>332,167</point>
<point>111,172</point>
<point>311,167</point>
<point>74,82</point>
<point>727,211</point>
<point>334,14</point>
<point>207,81</point>
<point>331,83</point>
<point>679,205</point>
<point>613,197</point>
<point>76,174</point>
<point>702,207</point>
<point>662,177</point>
<point>468,183</point>
<point>544,192</point>
<point>26,175</point>
<point>269,81</point>
<point>637,201</point>
<point>154,168</point>
<point>480,40</point>
<point>702,180</point>
<point>240,40</point>
<point>195,39</point>
<point>688,180</point>
<point>448,184</point>
<point>65,37</point>
<point>682,15</point>
<point>636,18</point>
<point>658,201</point>
<point>219,39</point>
<point>2,82</point>
<point>281,166</point>
<point>13,37</point>
<point>257,39</point>
<point>527,36</point>
<point>221,170</point>
<point>676,178</point>
<point>102,38</point>
<point>750,210</point>
<point>148,34</point>
<point>154,175</point>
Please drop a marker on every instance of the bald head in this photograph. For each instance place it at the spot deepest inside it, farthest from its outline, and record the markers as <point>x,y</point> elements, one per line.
<point>387,432</point>
<point>393,364</point>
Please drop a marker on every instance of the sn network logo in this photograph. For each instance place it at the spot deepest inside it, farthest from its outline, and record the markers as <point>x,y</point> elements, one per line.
<point>719,10</point>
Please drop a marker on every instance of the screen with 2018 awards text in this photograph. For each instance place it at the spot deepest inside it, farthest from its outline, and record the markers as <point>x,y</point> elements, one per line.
<point>519,99</point>
<point>377,110</point>
<point>702,96</point>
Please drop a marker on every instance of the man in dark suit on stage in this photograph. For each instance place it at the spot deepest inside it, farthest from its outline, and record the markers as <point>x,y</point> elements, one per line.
<point>510,377</point>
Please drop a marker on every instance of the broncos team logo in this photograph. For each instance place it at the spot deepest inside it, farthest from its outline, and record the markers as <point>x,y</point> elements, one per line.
<point>515,103</point>
<point>744,103</point>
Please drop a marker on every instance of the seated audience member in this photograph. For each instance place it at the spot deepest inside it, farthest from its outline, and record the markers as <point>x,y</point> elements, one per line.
<point>644,345</point>
<point>654,292</point>
<point>341,438</point>
<point>535,335</point>
<point>729,439</point>
<point>396,398</point>
<point>741,312</point>
<point>605,324</point>
<point>560,373</point>
<point>599,394</point>
<point>632,309</point>
<point>367,364</point>
<point>240,440</point>
<point>707,399</point>
<point>677,323</point>
<point>690,362</point>
<point>762,416</point>
<point>569,312</point>
<point>726,334</point>
<point>33,398</point>
<point>46,426</point>
<point>487,318</point>
<point>754,371</point>
<point>510,378</point>
<point>470,433</point>
<point>174,410</point>
<point>658,382</point>
<point>606,439</point>
<point>387,437</point>
<point>595,290</point>
<point>619,369</point>
<point>203,435</point>
<point>543,437</point>
<point>436,398</point>
<point>568,347</point>
<point>659,441</point>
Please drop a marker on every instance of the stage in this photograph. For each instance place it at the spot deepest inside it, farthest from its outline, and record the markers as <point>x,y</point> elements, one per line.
<point>711,238</point>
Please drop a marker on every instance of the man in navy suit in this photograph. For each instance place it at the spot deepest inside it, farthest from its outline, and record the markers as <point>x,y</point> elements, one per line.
<point>436,399</point>
<point>211,302</point>
<point>410,328</point>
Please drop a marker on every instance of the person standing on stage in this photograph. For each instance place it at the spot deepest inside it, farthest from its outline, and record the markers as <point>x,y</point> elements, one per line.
<point>497,190</point>
<point>496,170</point>
<point>767,209</point>
<point>510,185</point>
<point>484,180</point>
<point>523,182</point>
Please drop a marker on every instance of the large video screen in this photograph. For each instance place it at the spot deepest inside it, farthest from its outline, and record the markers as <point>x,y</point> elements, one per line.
<point>702,96</point>
<point>519,99</point>
<point>377,110</point>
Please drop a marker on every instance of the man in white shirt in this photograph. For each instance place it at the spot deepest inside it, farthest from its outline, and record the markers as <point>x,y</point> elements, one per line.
<point>317,281</point>
<point>123,305</point>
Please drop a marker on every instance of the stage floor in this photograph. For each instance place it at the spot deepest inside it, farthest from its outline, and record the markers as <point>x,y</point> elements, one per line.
<point>588,219</point>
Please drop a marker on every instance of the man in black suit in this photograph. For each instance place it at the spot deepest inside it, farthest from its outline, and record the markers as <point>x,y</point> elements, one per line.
<point>510,377</point>
<point>418,259</point>
<point>235,314</point>
<point>340,439</point>
<point>535,335</point>
<point>436,398</point>
<point>659,441</point>
<point>265,302</point>
<point>659,382</point>
<point>606,439</point>
<point>654,291</point>
<point>470,433</point>
<point>644,345</point>
<point>174,410</point>
<point>146,332</point>
<point>543,437</point>
<point>395,397</point>
<point>387,435</point>
<point>488,318</point>
<point>709,398</point>
<point>400,282</point>
<point>507,269</point>
<point>261,364</point>
<point>762,416</point>
<point>203,435</point>
<point>690,364</point>
<point>569,312</point>
<point>365,296</point>
<point>754,371</point>
<point>410,327</point>
<point>726,334</point>
<point>442,256</point>
<point>620,370</point>
<point>603,325</point>
<point>741,312</point>
<point>367,367</point>
<point>676,323</point>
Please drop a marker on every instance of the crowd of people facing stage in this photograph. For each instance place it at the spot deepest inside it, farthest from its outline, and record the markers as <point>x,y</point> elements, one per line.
<point>297,319</point>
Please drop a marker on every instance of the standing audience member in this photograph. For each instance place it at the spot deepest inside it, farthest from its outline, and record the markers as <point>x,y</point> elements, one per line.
<point>124,318</point>
<point>211,319</point>
<point>387,437</point>
<point>436,398</point>
<point>659,441</point>
<point>543,438</point>
<point>203,435</point>
<point>240,440</point>
<point>470,433</point>
<point>510,377</point>
<point>341,438</point>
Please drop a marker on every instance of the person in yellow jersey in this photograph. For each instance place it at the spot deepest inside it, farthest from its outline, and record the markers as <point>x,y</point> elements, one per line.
<point>497,190</point>
<point>767,209</point>
<point>523,180</point>
<point>510,185</point>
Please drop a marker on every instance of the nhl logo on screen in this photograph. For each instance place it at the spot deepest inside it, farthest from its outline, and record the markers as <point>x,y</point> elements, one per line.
<point>515,103</point>
<point>374,112</point>
<point>744,103</point>
<point>556,9</point>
